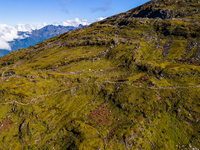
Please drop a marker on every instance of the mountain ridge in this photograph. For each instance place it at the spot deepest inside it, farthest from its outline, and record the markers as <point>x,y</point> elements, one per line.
<point>120,83</point>
<point>36,36</point>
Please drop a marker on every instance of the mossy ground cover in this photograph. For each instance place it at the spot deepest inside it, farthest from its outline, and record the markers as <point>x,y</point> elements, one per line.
<point>117,84</point>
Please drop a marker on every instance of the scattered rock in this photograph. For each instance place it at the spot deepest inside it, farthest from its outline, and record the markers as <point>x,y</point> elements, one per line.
<point>167,48</point>
<point>55,67</point>
<point>10,73</point>
<point>188,120</point>
<point>22,125</point>
<point>33,77</point>
<point>14,110</point>
<point>120,105</point>
<point>43,77</point>
<point>27,76</point>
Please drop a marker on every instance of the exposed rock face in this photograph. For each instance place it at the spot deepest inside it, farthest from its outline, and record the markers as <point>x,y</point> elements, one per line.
<point>166,48</point>
<point>162,9</point>
<point>190,45</point>
<point>159,13</point>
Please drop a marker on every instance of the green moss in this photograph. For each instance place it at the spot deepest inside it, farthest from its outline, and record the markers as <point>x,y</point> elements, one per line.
<point>107,86</point>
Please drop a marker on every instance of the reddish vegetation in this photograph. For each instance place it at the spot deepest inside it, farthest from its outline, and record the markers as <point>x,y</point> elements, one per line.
<point>111,135</point>
<point>142,79</point>
<point>100,115</point>
<point>68,83</point>
<point>133,39</point>
<point>5,124</point>
<point>114,93</point>
<point>108,145</point>
<point>139,119</point>
<point>122,40</point>
<point>185,61</point>
<point>158,97</point>
<point>145,77</point>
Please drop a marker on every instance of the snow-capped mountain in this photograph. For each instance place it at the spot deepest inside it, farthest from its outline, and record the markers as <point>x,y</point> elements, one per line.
<point>23,36</point>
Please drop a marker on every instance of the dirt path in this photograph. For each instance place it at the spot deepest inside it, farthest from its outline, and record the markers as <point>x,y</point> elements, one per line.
<point>169,87</point>
<point>140,87</point>
<point>8,68</point>
<point>14,102</point>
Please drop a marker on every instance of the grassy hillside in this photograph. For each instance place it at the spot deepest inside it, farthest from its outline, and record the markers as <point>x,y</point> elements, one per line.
<point>127,82</point>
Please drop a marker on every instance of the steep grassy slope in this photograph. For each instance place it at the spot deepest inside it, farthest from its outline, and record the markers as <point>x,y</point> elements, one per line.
<point>121,83</point>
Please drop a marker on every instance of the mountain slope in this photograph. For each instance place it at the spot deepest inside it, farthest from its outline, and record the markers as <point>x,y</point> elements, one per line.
<point>121,83</point>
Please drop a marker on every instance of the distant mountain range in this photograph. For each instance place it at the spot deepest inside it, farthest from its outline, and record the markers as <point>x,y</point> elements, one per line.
<point>36,36</point>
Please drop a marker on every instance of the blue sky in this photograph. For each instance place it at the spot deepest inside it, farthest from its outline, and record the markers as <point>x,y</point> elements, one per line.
<point>36,12</point>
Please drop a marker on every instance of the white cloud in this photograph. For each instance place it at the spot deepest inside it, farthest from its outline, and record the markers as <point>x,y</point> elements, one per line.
<point>24,27</point>
<point>39,26</point>
<point>28,27</point>
<point>76,22</point>
<point>9,33</point>
<point>4,45</point>
<point>99,19</point>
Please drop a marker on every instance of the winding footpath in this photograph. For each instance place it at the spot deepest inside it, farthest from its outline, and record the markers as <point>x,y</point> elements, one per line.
<point>135,86</point>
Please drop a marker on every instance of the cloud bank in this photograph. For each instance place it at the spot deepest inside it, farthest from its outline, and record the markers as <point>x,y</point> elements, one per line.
<point>9,33</point>
<point>99,19</point>
<point>76,22</point>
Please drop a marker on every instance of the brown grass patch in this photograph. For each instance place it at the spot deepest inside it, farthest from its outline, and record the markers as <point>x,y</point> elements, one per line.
<point>5,124</point>
<point>100,115</point>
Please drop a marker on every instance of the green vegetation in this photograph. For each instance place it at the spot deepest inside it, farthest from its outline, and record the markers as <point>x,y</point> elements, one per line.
<point>121,83</point>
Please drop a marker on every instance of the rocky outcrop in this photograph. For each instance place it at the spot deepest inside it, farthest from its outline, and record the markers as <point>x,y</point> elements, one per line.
<point>158,13</point>
<point>166,48</point>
